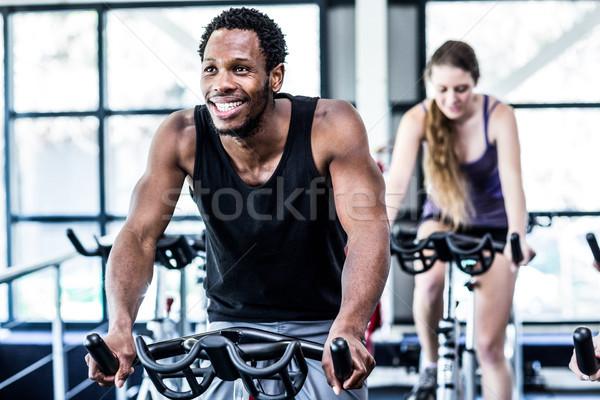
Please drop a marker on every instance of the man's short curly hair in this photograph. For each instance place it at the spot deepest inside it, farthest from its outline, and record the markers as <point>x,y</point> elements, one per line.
<point>272,42</point>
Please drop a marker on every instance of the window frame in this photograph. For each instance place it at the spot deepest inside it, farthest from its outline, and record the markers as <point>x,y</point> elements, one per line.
<point>399,108</point>
<point>103,218</point>
<point>538,217</point>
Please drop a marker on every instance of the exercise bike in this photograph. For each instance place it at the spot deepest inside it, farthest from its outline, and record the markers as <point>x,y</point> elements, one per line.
<point>473,256</point>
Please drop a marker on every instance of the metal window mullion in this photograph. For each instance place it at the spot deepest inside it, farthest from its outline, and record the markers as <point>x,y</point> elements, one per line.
<point>323,33</point>
<point>68,6</point>
<point>102,114</point>
<point>8,115</point>
<point>59,360</point>
<point>421,60</point>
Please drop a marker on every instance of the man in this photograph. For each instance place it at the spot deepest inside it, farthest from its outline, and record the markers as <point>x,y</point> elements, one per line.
<point>283,184</point>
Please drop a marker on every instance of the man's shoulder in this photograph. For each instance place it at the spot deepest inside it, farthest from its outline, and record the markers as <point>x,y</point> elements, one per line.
<point>181,118</point>
<point>177,128</point>
<point>332,111</point>
<point>334,104</point>
<point>323,104</point>
<point>336,126</point>
<point>179,122</point>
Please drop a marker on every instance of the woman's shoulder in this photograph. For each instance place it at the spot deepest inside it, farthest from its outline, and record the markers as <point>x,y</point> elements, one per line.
<point>494,103</point>
<point>498,109</point>
<point>419,111</point>
<point>412,123</point>
<point>501,119</point>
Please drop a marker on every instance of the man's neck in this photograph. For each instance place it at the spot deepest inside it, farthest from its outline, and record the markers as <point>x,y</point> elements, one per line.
<point>262,150</point>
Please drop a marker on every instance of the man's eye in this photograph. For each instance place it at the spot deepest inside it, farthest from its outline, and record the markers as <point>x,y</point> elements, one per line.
<point>241,69</point>
<point>209,69</point>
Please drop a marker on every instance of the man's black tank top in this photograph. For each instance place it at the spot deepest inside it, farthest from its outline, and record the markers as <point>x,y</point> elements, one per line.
<point>274,252</point>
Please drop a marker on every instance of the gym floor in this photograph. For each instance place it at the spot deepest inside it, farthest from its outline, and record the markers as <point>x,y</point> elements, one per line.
<point>396,394</point>
<point>557,383</point>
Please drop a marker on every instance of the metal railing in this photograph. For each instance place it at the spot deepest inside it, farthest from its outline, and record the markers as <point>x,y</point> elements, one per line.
<point>59,365</point>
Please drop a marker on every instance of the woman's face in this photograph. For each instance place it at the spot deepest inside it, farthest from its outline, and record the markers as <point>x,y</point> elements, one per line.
<point>453,90</point>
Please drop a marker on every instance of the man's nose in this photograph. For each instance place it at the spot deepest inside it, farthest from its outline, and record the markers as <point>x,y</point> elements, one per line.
<point>224,82</point>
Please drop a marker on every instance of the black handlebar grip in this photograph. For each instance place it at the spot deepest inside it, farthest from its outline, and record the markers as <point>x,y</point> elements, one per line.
<point>593,243</point>
<point>584,351</point>
<point>106,360</point>
<point>342,360</point>
<point>515,247</point>
<point>78,246</point>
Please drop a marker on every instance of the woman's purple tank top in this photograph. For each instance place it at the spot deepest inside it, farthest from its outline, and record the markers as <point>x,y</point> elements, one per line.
<point>483,182</point>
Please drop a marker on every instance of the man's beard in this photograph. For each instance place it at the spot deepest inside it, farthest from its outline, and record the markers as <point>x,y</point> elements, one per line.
<point>248,129</point>
<point>251,125</point>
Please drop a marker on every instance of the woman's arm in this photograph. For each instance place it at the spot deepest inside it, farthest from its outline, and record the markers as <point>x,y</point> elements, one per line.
<point>504,133</point>
<point>410,135</point>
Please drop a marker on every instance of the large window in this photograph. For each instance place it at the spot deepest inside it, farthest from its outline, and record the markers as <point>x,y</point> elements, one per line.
<point>542,57</point>
<point>88,87</point>
<point>529,51</point>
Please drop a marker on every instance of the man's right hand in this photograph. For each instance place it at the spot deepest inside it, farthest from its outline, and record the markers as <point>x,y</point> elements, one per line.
<point>123,347</point>
<point>573,363</point>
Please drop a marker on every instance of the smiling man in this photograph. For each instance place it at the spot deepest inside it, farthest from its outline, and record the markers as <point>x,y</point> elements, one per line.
<point>283,183</point>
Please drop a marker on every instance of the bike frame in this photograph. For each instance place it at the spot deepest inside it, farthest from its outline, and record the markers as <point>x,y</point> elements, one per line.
<point>448,330</point>
<point>469,360</point>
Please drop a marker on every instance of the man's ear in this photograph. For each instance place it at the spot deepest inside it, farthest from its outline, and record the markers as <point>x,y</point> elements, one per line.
<point>276,76</point>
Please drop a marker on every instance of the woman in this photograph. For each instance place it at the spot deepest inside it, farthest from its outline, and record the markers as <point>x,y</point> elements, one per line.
<point>473,175</point>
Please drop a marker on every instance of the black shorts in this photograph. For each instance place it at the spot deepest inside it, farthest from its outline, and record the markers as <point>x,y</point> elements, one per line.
<point>498,233</point>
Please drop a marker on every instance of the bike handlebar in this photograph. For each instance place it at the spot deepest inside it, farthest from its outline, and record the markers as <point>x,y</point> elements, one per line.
<point>584,351</point>
<point>99,251</point>
<point>593,243</point>
<point>106,360</point>
<point>233,354</point>
<point>515,248</point>
<point>172,251</point>
<point>473,255</point>
<point>342,360</point>
<point>582,336</point>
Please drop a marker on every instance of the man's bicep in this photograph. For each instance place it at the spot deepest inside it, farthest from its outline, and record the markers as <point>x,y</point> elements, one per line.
<point>359,188</point>
<point>358,185</point>
<point>156,194</point>
<point>152,204</point>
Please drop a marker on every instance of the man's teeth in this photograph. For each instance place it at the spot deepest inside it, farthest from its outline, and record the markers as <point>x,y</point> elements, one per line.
<point>227,106</point>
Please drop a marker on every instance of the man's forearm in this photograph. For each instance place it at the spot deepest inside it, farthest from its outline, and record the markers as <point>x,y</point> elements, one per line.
<point>363,279</point>
<point>128,275</point>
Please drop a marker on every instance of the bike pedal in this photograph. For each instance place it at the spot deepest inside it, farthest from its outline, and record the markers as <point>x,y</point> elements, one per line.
<point>444,330</point>
<point>425,394</point>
